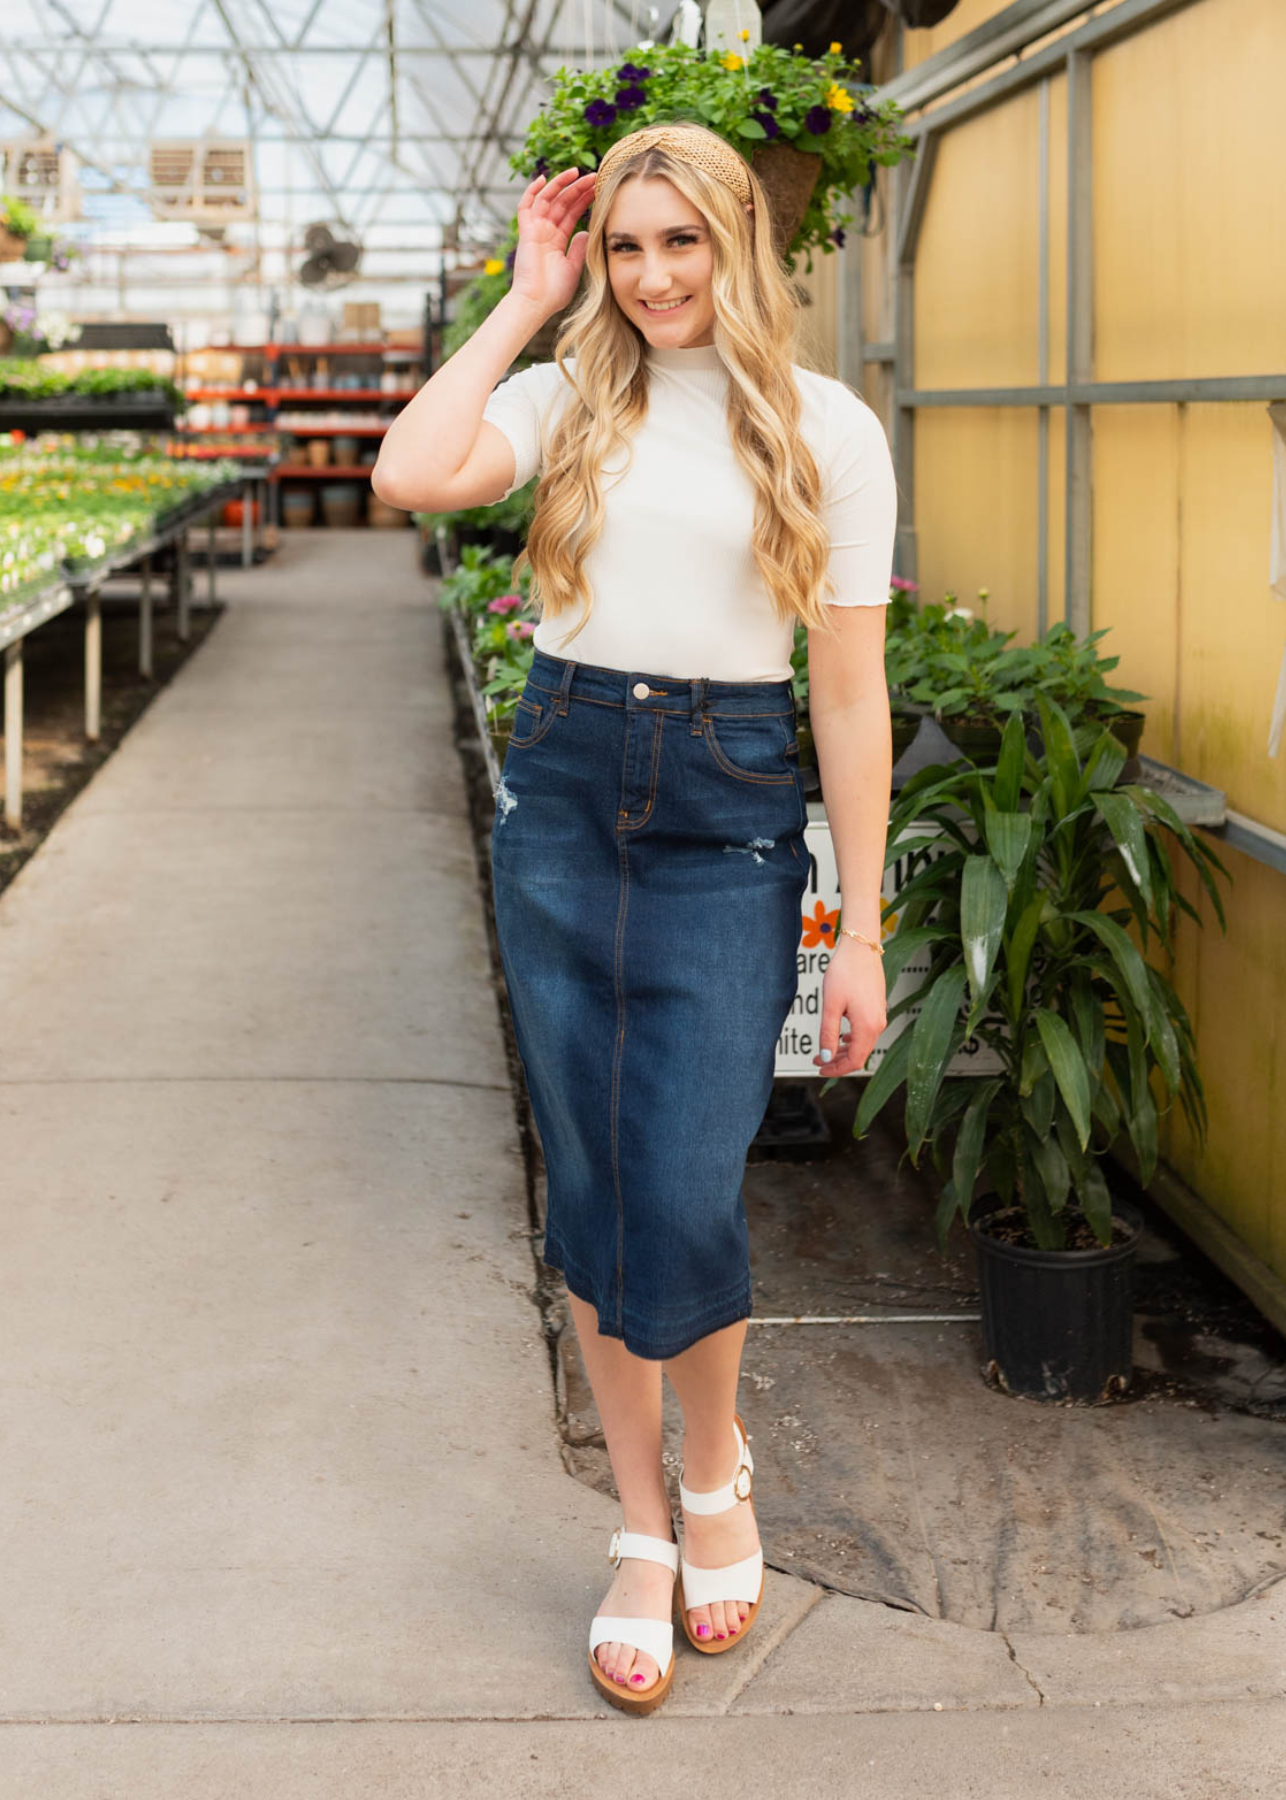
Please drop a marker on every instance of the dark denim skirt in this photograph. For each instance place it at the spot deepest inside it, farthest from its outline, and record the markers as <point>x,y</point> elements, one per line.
<point>649,869</point>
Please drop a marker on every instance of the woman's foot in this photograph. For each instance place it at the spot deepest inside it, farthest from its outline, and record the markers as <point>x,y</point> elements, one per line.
<point>641,1590</point>
<point>710,1540</point>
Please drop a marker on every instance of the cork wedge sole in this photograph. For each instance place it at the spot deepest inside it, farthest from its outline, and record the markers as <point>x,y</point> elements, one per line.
<point>619,1696</point>
<point>738,1577</point>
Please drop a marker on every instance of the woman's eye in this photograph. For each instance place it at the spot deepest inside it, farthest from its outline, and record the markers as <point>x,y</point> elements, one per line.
<point>685,237</point>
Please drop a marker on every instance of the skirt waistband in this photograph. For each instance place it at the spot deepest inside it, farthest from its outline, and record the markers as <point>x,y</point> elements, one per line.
<point>641,690</point>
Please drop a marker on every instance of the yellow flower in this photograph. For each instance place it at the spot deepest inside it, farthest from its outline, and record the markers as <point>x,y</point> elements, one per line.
<point>743,34</point>
<point>839,99</point>
<point>834,49</point>
<point>732,60</point>
<point>492,266</point>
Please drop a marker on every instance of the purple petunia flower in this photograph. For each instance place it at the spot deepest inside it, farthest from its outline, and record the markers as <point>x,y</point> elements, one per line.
<point>599,112</point>
<point>627,98</point>
<point>542,167</point>
<point>837,236</point>
<point>767,98</point>
<point>771,128</point>
<point>817,120</point>
<point>627,72</point>
<point>509,260</point>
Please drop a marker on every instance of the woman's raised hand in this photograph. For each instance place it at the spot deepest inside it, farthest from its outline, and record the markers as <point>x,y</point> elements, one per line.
<point>545,271</point>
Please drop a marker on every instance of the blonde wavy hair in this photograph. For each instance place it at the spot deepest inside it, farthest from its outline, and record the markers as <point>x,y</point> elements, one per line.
<point>756,320</point>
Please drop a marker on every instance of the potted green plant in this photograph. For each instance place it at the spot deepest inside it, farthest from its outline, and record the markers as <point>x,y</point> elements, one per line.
<point>483,591</point>
<point>1070,670</point>
<point>18,222</point>
<point>1020,881</point>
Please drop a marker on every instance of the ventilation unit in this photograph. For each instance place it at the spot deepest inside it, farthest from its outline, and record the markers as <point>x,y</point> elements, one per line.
<point>207,182</point>
<point>42,174</point>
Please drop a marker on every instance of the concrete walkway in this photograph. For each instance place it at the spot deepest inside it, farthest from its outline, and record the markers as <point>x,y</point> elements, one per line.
<point>282,1507</point>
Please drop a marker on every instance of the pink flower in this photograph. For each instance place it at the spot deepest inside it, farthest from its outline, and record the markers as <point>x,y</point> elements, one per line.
<point>520,628</point>
<point>904,587</point>
<point>506,603</point>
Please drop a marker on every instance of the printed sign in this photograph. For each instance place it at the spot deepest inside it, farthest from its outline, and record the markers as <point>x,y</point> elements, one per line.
<point>800,1037</point>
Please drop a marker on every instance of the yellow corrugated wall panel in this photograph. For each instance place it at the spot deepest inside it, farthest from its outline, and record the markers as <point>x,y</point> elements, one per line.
<point>966,17</point>
<point>1235,991</point>
<point>1136,579</point>
<point>977,269</point>
<point>970,466</point>
<point>1232,628</point>
<point>1189,200</point>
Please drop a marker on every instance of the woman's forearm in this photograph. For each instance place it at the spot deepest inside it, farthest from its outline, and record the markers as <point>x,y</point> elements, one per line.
<point>432,437</point>
<point>854,746</point>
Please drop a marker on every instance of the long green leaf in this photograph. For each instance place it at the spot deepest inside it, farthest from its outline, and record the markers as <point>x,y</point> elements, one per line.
<point>935,1035</point>
<point>983,899</point>
<point>1008,786</point>
<point>1121,950</point>
<point>1165,1045</point>
<point>1008,835</point>
<point>1068,1065</point>
<point>903,945</point>
<point>1060,754</point>
<point>1020,949</point>
<point>1121,816</point>
<point>969,1143</point>
<point>1051,1165</point>
<point>890,1073</point>
<point>1096,1201</point>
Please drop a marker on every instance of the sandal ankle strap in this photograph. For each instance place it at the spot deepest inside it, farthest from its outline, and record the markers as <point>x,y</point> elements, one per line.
<point>720,1499</point>
<point>649,1549</point>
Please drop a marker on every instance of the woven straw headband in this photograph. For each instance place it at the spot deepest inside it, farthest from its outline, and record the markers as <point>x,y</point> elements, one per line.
<point>717,158</point>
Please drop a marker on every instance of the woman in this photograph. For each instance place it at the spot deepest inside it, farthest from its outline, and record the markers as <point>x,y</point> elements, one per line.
<point>699,493</point>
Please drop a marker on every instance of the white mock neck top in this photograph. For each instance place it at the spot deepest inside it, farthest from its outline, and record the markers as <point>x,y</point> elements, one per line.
<point>675,586</point>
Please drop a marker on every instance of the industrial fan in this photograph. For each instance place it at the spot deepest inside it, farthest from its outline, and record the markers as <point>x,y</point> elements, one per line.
<point>330,261</point>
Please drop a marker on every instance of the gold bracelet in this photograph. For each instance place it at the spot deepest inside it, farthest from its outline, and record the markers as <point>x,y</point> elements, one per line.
<point>869,942</point>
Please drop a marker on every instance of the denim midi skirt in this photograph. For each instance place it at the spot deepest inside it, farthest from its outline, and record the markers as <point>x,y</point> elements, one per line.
<point>649,867</point>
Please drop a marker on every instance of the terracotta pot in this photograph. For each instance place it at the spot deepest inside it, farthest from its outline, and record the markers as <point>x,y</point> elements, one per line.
<point>12,247</point>
<point>788,177</point>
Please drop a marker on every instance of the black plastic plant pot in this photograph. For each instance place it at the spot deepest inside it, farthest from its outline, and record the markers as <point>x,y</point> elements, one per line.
<point>1127,729</point>
<point>1057,1324</point>
<point>977,740</point>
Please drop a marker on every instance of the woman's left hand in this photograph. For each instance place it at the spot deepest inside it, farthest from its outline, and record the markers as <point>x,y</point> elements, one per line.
<point>852,987</point>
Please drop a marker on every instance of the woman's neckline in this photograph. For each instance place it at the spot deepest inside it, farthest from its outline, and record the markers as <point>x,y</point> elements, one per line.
<point>683,356</point>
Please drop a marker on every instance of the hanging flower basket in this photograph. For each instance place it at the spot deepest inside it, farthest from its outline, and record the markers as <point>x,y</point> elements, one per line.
<point>788,177</point>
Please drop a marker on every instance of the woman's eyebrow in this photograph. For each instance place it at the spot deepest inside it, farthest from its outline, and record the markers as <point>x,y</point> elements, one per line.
<point>633,235</point>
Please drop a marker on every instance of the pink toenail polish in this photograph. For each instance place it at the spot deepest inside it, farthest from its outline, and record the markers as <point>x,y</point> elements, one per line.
<point>720,1634</point>
<point>636,1678</point>
<point>618,1678</point>
<point>703,1631</point>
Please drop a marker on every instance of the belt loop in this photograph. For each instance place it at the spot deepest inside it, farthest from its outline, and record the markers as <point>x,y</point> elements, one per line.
<point>694,706</point>
<point>565,688</point>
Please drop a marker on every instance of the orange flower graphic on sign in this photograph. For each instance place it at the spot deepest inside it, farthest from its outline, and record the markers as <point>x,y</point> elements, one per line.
<point>820,929</point>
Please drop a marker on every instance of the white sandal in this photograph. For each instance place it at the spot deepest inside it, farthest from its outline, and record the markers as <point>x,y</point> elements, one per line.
<point>739,1581</point>
<point>655,1637</point>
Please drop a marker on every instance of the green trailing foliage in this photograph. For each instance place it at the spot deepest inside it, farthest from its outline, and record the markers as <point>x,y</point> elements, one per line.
<point>1044,895</point>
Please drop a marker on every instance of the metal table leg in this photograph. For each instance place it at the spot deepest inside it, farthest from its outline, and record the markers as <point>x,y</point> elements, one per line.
<point>179,590</point>
<point>210,552</point>
<point>247,525</point>
<point>145,618</point>
<point>93,664</point>
<point>13,734</point>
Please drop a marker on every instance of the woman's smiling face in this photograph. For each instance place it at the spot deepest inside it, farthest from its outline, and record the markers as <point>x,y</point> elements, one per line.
<point>659,252</point>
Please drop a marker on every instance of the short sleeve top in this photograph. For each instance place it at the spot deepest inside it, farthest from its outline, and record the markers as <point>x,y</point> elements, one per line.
<point>676,590</point>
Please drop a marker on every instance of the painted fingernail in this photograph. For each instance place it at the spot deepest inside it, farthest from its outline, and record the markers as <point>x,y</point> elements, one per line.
<point>703,1631</point>
<point>826,1055</point>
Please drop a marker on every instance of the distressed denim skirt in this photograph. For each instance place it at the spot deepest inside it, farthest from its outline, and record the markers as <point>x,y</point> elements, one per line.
<point>649,869</point>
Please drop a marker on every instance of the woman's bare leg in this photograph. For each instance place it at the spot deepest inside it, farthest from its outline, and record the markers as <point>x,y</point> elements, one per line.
<point>627,1392</point>
<point>705,1379</point>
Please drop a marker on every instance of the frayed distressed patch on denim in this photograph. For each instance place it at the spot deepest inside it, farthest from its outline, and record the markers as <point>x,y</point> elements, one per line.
<point>505,800</point>
<point>751,849</point>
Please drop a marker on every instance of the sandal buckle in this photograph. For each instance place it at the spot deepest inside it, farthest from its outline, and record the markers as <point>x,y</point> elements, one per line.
<point>614,1548</point>
<point>741,1484</point>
